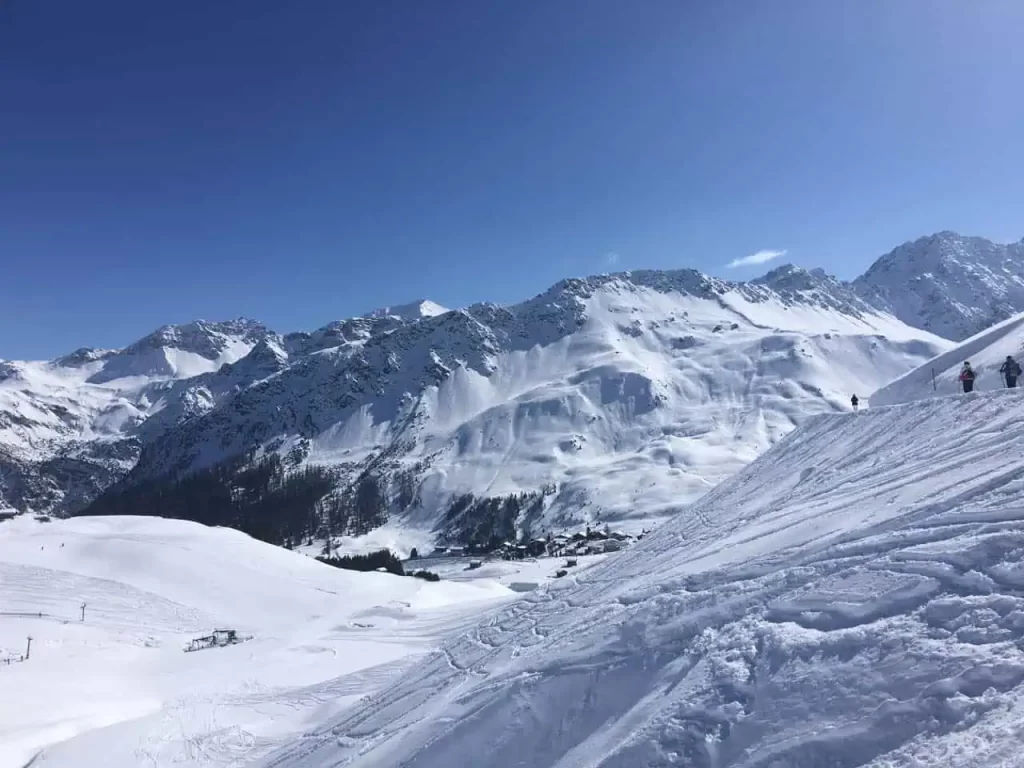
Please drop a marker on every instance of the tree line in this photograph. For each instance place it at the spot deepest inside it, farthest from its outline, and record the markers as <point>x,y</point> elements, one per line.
<point>375,561</point>
<point>484,524</point>
<point>264,497</point>
<point>268,498</point>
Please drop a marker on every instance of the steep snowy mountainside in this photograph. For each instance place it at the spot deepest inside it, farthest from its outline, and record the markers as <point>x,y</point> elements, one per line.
<point>619,396</point>
<point>986,353</point>
<point>94,393</point>
<point>951,285</point>
<point>182,351</point>
<point>801,285</point>
<point>853,598</point>
<point>69,427</point>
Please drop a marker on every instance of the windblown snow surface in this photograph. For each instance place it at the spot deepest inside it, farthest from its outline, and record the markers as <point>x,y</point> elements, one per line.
<point>855,597</point>
<point>986,353</point>
<point>117,690</point>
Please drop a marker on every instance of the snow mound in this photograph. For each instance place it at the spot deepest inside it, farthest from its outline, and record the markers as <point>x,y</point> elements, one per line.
<point>117,690</point>
<point>853,597</point>
<point>986,353</point>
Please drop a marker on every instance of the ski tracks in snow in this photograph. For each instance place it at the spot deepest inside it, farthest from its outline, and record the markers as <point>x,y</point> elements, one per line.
<point>855,597</point>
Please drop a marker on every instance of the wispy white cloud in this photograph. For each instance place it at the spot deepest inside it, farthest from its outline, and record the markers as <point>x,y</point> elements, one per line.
<point>761,257</point>
<point>611,258</point>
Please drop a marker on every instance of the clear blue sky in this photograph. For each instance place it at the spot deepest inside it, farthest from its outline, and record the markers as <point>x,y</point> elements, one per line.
<point>301,162</point>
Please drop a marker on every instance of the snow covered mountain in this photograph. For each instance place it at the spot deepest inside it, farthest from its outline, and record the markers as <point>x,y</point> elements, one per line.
<point>951,285</point>
<point>601,399</point>
<point>72,426</point>
<point>986,351</point>
<point>612,398</point>
<point>412,311</point>
<point>852,598</point>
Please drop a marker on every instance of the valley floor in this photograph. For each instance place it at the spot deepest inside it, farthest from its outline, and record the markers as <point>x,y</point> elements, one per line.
<point>118,690</point>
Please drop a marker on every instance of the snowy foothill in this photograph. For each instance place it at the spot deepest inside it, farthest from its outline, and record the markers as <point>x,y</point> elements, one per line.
<point>111,604</point>
<point>852,598</point>
<point>985,351</point>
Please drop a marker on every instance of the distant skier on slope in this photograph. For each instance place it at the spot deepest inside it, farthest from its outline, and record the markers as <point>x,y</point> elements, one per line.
<point>1010,371</point>
<point>967,377</point>
<point>854,402</point>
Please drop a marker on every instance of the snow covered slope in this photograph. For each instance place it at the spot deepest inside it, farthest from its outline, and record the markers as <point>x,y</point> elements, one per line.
<point>69,427</point>
<point>951,285</point>
<point>855,597</point>
<point>986,353</point>
<point>117,690</point>
<point>620,396</point>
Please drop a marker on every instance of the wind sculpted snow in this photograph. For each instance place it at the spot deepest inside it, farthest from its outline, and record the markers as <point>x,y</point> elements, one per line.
<point>852,598</point>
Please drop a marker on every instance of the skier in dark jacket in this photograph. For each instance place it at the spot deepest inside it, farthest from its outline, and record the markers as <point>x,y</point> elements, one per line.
<point>967,377</point>
<point>1010,371</point>
<point>854,402</point>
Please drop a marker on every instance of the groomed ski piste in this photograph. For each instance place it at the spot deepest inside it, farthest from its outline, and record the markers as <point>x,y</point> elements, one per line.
<point>118,690</point>
<point>855,597</point>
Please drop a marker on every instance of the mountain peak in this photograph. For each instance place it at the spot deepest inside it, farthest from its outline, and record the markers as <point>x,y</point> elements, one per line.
<point>202,337</point>
<point>414,310</point>
<point>83,356</point>
<point>790,279</point>
<point>781,272</point>
<point>947,283</point>
<point>182,351</point>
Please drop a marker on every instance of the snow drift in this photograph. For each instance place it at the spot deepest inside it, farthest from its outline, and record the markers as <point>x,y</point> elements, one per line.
<point>852,598</point>
<point>986,351</point>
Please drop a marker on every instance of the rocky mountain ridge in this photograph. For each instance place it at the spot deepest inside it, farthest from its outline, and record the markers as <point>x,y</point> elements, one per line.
<point>412,392</point>
<point>948,284</point>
